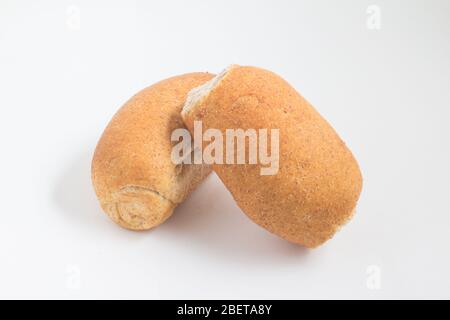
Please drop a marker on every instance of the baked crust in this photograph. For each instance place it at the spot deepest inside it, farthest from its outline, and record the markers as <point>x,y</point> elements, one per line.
<point>319,181</point>
<point>136,182</point>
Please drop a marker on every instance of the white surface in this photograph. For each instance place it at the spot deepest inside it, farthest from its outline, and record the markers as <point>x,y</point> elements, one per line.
<point>385,91</point>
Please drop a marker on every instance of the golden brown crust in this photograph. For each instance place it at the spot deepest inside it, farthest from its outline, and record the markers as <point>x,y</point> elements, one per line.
<point>319,181</point>
<point>135,180</point>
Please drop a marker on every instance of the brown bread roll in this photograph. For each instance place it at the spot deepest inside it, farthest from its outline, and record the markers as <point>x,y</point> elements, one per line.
<point>136,182</point>
<point>318,181</point>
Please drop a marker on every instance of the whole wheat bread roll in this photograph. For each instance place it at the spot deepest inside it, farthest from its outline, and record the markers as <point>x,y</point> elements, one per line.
<point>318,182</point>
<point>136,182</point>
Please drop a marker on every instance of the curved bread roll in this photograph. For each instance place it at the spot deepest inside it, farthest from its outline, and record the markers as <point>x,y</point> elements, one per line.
<point>136,182</point>
<point>318,182</point>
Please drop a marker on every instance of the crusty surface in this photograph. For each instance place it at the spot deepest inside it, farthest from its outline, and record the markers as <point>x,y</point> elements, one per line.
<point>135,180</point>
<point>318,182</point>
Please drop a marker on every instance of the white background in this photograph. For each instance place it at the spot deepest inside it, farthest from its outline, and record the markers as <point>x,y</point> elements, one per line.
<point>67,66</point>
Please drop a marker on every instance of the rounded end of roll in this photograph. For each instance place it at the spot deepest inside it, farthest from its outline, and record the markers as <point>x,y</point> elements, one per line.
<point>320,236</point>
<point>138,208</point>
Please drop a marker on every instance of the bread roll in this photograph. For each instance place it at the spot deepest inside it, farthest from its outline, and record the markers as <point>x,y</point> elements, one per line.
<point>136,182</point>
<point>318,181</point>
